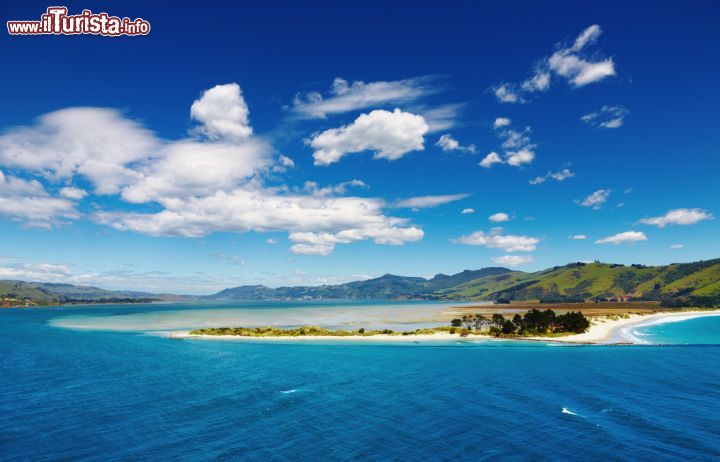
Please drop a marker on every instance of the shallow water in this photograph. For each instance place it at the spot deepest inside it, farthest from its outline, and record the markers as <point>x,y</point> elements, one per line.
<point>69,394</point>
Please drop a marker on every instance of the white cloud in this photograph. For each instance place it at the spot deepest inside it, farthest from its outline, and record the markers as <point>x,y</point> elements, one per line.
<point>222,113</point>
<point>501,122</point>
<point>596,199</point>
<point>621,238</point>
<point>676,246</point>
<point>73,193</point>
<point>569,63</point>
<point>271,241</point>
<point>190,168</point>
<point>540,81</point>
<point>467,211</point>
<point>441,117</point>
<point>349,219</point>
<point>560,175</point>
<point>390,134</point>
<point>314,243</point>
<point>520,157</point>
<point>35,272</point>
<point>448,143</point>
<point>519,150</point>
<point>499,217</point>
<point>422,202</point>
<point>678,217</point>
<point>27,202</point>
<point>490,160</point>
<point>496,240</point>
<point>513,260</point>
<point>195,186</point>
<point>96,143</point>
<point>505,93</point>
<point>578,237</point>
<point>315,189</point>
<point>606,117</point>
<point>346,97</point>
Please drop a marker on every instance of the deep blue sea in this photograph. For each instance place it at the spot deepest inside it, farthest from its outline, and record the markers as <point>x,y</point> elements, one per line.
<point>73,387</point>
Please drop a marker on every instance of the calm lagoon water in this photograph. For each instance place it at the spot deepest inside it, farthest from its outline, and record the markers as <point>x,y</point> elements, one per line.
<point>98,383</point>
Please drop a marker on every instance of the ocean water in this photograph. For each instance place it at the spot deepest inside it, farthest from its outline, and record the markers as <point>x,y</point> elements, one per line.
<point>74,388</point>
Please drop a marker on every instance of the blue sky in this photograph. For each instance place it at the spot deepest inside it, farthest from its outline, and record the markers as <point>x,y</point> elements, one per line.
<point>300,142</point>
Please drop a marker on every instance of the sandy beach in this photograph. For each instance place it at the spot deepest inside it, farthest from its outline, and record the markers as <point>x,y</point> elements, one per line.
<point>606,330</point>
<point>603,330</point>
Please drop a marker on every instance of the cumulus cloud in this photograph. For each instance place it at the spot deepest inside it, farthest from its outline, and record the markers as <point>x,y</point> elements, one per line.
<point>506,93</point>
<point>349,219</point>
<point>190,168</point>
<point>518,148</point>
<point>676,246</point>
<point>578,237</point>
<point>96,143</point>
<point>560,175</point>
<point>390,134</point>
<point>490,160</point>
<point>513,260</point>
<point>211,182</point>
<point>314,243</point>
<point>222,113</point>
<point>606,117</point>
<point>27,202</point>
<point>499,217</point>
<point>678,217</point>
<point>422,202</point>
<point>501,122</point>
<point>467,211</point>
<point>496,240</point>
<point>596,199</point>
<point>621,238</point>
<point>571,63</point>
<point>346,97</point>
<point>447,143</point>
<point>73,193</point>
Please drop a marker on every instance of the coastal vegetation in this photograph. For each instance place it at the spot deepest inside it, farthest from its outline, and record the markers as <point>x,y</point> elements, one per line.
<point>535,322</point>
<point>310,331</point>
<point>693,301</point>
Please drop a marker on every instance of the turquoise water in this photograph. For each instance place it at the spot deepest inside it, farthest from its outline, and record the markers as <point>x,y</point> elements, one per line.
<point>94,393</point>
<point>690,331</point>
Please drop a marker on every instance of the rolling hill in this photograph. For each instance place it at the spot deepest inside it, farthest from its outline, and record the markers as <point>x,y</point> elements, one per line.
<point>14,293</point>
<point>571,282</point>
<point>575,281</point>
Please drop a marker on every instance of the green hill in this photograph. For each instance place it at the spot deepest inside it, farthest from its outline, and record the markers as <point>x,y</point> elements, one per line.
<point>20,293</point>
<point>572,282</point>
<point>583,281</point>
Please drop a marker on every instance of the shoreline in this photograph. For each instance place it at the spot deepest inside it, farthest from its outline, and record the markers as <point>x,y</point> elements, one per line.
<point>602,331</point>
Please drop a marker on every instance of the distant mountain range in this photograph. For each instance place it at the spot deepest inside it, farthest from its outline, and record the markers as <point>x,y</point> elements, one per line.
<point>14,293</point>
<point>572,282</point>
<point>575,281</point>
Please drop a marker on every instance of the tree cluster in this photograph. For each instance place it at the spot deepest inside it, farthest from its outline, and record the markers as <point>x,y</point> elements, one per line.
<point>534,322</point>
